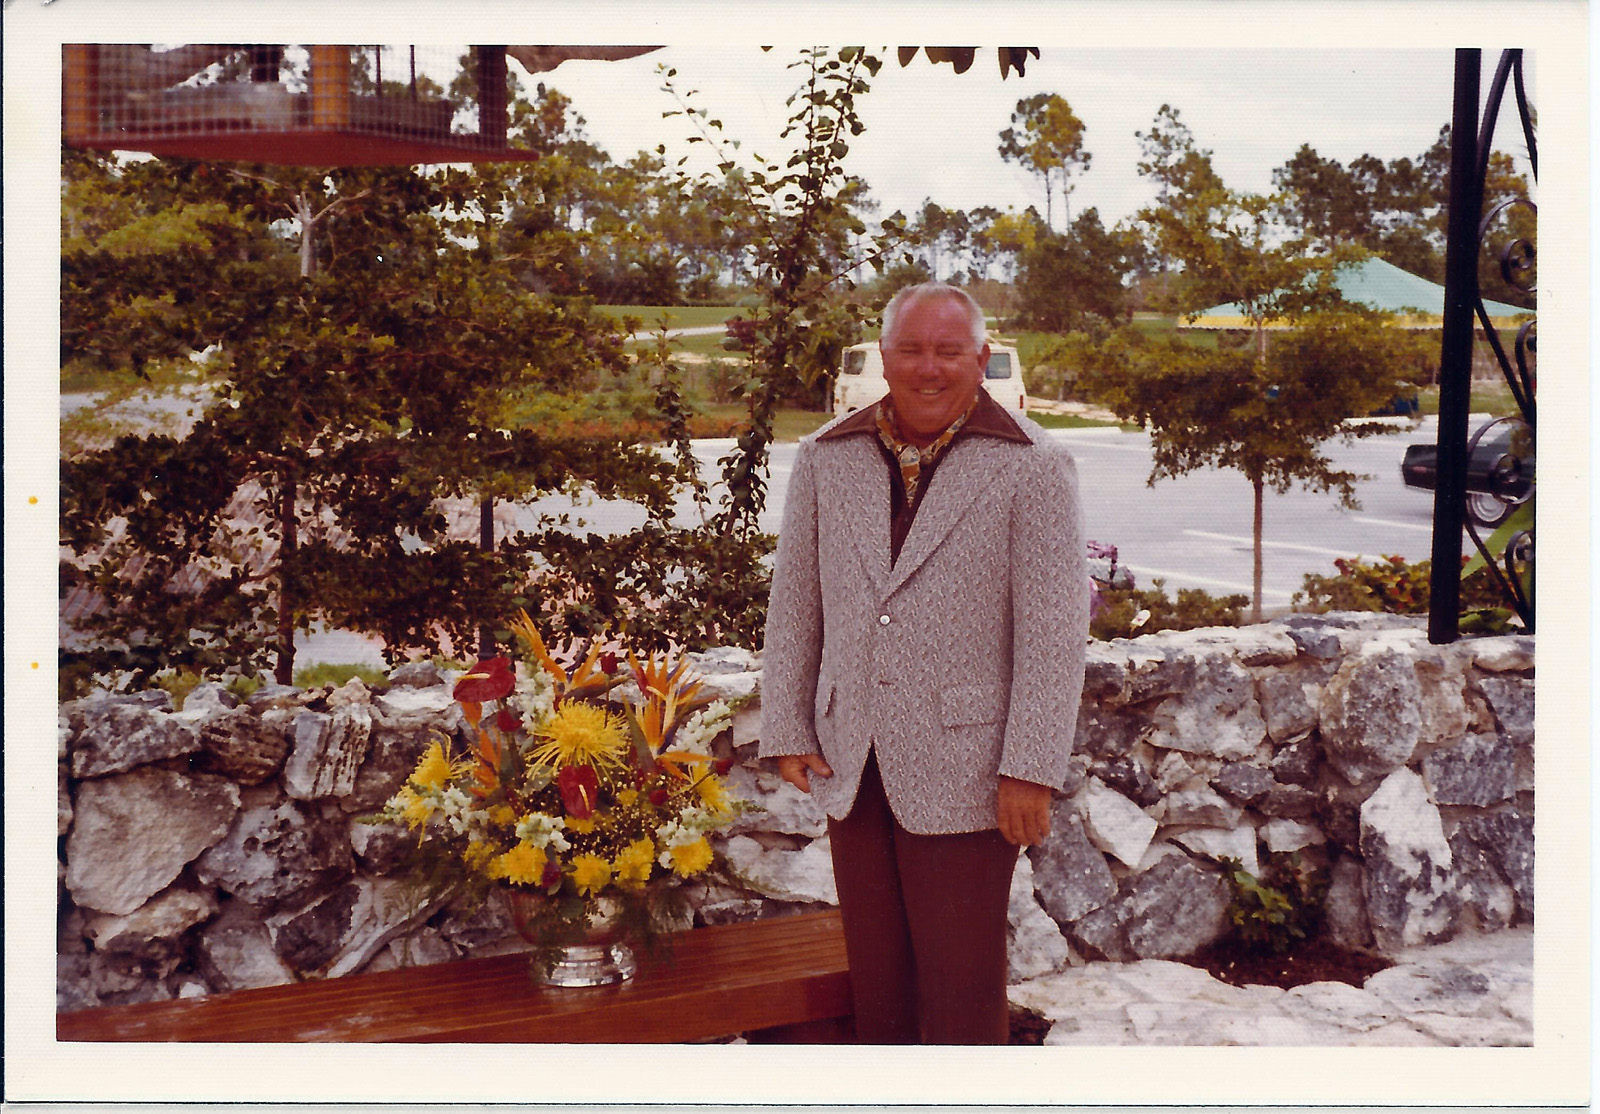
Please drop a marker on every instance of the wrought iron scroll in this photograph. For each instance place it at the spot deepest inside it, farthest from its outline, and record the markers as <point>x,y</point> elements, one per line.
<point>1508,479</point>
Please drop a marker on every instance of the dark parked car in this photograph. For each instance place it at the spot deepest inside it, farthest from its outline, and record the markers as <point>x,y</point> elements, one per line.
<point>1499,471</point>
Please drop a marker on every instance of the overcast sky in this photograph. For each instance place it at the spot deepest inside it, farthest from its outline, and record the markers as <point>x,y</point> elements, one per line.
<point>932,133</point>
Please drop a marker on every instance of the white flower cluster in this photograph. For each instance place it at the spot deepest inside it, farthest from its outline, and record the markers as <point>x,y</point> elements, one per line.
<point>543,831</point>
<point>458,811</point>
<point>695,736</point>
<point>688,827</point>
<point>536,694</point>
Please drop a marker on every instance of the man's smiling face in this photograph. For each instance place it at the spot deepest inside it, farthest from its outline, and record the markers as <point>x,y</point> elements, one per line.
<point>932,366</point>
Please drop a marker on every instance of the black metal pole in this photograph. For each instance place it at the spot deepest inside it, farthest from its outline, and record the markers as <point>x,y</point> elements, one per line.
<point>1455,352</point>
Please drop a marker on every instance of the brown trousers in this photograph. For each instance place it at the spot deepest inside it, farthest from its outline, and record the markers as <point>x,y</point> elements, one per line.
<point>924,925</point>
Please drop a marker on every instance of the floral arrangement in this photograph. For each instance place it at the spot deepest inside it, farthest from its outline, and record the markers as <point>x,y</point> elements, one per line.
<point>568,798</point>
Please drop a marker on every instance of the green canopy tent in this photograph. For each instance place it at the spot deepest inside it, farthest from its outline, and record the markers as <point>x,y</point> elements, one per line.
<point>1373,282</point>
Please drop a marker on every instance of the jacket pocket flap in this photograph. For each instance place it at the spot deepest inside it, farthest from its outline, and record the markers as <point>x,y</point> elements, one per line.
<point>967,704</point>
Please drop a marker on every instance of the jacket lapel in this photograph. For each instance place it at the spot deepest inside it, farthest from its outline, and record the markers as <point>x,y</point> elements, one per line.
<point>858,489</point>
<point>973,466</point>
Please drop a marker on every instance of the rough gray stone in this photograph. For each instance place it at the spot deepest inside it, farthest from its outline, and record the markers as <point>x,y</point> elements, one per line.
<point>1511,700</point>
<point>476,926</point>
<point>63,800</point>
<point>1105,677</point>
<point>278,857</point>
<point>328,752</point>
<point>1344,907</point>
<point>1288,699</point>
<point>1107,734</point>
<point>1115,824</point>
<point>787,810</point>
<point>151,932</point>
<point>235,952</point>
<point>273,695</point>
<point>118,734</point>
<point>235,744</point>
<point>1312,636</point>
<point>1441,676</point>
<point>1224,843</point>
<point>1501,653</point>
<point>408,708</point>
<point>1128,777</point>
<point>1371,714</point>
<point>1242,782</point>
<point>132,833</point>
<point>1410,894</point>
<point>392,755</point>
<point>1099,934</point>
<point>1283,835</point>
<point>1174,908</point>
<point>803,875</point>
<point>416,675</point>
<point>382,848</point>
<point>1070,876</point>
<point>73,990</point>
<point>1159,671</point>
<point>1036,946</point>
<point>1297,761</point>
<point>1293,802</point>
<point>308,939</point>
<point>1501,845</point>
<point>1216,714</point>
<point>1479,770</point>
<point>207,698</point>
<point>352,692</point>
<point>1200,805</point>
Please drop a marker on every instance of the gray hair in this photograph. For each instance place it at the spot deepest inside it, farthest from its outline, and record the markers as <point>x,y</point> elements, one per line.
<point>906,295</point>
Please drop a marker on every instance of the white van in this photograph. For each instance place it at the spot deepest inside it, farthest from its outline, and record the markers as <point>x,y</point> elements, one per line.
<point>860,381</point>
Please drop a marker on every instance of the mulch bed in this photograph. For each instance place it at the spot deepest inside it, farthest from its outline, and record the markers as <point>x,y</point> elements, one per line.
<point>1314,960</point>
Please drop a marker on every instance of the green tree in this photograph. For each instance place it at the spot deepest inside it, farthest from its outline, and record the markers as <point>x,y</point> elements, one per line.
<point>1046,137</point>
<point>1064,279</point>
<point>351,404</point>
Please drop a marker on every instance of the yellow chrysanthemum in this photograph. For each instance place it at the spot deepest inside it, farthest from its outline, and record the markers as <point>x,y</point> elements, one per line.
<point>523,864</point>
<point>590,873</point>
<point>691,858</point>
<point>502,816</point>
<point>582,735</point>
<point>477,855</point>
<point>714,795</point>
<point>434,770</point>
<point>627,797</point>
<point>582,827</point>
<point>414,807</point>
<point>633,863</point>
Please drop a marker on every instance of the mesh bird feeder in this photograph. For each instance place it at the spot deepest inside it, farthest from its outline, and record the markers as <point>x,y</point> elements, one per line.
<point>292,105</point>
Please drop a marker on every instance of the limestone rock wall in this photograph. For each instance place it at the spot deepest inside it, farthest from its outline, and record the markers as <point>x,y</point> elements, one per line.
<point>218,847</point>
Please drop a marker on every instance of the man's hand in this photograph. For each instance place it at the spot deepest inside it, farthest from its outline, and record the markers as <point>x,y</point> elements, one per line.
<point>1024,808</point>
<point>795,767</point>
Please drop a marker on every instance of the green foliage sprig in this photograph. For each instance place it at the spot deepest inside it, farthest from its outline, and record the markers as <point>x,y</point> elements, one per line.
<point>1281,907</point>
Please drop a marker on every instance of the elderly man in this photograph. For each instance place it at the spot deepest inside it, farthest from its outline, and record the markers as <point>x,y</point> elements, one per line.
<point>923,665</point>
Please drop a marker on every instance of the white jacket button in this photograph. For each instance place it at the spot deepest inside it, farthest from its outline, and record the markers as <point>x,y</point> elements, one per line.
<point>884,619</point>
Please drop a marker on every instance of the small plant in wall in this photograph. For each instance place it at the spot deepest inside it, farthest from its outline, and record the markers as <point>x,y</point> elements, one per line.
<point>1281,907</point>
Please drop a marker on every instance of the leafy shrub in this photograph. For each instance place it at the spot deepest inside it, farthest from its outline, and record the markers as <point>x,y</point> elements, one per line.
<point>1127,612</point>
<point>1279,908</point>
<point>1392,585</point>
<point>336,674</point>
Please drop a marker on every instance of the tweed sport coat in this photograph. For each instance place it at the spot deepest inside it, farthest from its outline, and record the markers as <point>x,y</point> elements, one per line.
<point>963,660</point>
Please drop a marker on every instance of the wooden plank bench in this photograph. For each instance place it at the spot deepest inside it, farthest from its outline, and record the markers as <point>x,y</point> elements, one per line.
<point>785,977</point>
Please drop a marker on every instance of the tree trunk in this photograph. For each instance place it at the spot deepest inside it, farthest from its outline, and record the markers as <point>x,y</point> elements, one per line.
<point>289,531</point>
<point>486,543</point>
<point>1255,537</point>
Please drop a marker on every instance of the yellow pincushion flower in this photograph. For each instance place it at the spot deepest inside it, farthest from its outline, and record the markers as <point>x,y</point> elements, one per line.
<point>590,873</point>
<point>582,735</point>
<point>477,855</point>
<point>690,858</point>
<point>523,864</point>
<point>627,797</point>
<point>633,863</point>
<point>434,770</point>
<point>502,816</point>
<point>582,827</point>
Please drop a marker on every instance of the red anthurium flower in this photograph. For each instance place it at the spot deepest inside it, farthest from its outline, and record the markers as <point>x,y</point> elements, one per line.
<point>723,766</point>
<point>580,790</point>
<point>658,797</point>
<point>490,679</point>
<point>507,720</point>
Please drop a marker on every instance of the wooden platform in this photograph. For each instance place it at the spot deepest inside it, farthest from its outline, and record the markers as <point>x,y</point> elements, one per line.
<point>762,975</point>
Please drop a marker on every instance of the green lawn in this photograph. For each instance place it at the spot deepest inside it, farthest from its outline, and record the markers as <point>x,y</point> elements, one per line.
<point>787,424</point>
<point>1073,421</point>
<point>1493,398</point>
<point>678,317</point>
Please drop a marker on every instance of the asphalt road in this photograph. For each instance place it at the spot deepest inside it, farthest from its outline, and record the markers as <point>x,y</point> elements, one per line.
<point>1193,531</point>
